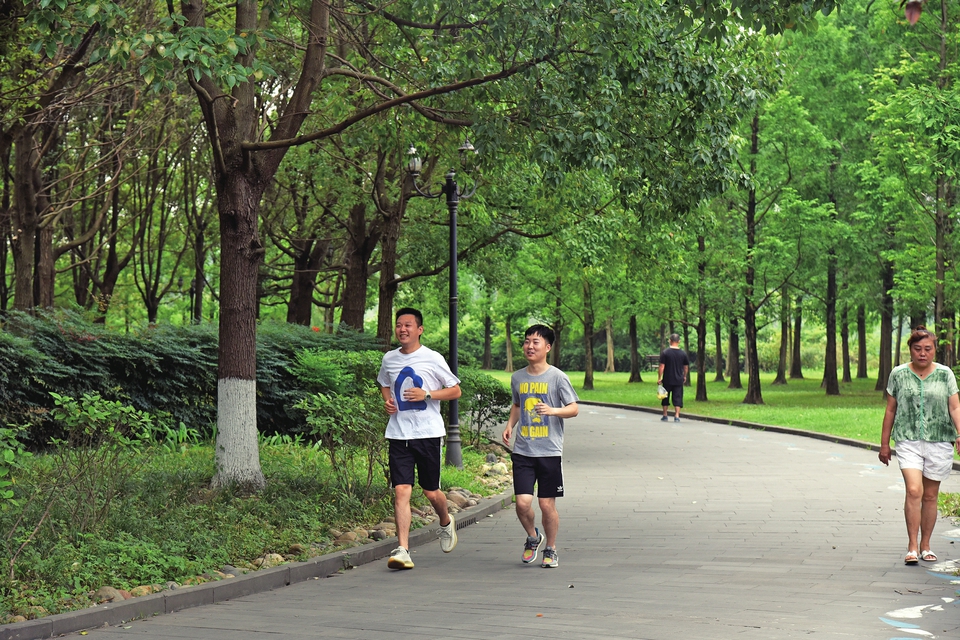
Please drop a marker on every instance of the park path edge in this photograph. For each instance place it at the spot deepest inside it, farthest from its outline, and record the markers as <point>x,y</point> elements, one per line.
<point>328,565</point>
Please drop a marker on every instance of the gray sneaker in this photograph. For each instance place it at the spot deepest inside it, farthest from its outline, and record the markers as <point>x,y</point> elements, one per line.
<point>448,536</point>
<point>400,559</point>
<point>532,547</point>
<point>550,558</point>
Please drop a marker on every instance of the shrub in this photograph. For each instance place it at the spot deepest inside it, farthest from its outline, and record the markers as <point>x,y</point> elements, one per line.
<point>485,403</point>
<point>348,425</point>
<point>346,412</point>
<point>83,473</point>
<point>163,370</point>
<point>12,455</point>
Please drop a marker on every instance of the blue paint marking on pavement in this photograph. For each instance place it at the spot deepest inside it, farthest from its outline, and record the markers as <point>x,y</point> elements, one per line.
<point>899,625</point>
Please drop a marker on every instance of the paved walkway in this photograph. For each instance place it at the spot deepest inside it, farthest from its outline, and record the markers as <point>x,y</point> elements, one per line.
<point>689,530</point>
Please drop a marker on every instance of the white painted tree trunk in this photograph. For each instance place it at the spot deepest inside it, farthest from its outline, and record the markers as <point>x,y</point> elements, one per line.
<point>237,453</point>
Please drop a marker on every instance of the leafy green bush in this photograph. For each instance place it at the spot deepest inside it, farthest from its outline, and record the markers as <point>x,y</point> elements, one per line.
<point>338,371</point>
<point>348,425</point>
<point>484,404</point>
<point>12,456</point>
<point>346,414</point>
<point>163,370</point>
<point>80,478</point>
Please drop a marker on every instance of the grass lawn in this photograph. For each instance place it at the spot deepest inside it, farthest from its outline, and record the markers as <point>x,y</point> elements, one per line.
<point>856,413</point>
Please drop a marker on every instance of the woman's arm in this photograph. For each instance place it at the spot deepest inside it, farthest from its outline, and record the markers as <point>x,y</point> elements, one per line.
<point>888,415</point>
<point>953,405</point>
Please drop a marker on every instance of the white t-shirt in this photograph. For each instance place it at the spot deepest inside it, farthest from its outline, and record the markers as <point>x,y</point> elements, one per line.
<point>426,369</point>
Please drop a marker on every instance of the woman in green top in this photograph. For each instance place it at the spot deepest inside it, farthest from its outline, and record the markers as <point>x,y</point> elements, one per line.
<point>923,416</point>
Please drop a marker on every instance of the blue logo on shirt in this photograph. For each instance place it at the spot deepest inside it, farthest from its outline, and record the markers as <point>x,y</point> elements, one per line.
<point>407,373</point>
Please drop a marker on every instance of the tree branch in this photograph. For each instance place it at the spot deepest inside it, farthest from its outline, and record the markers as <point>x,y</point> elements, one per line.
<point>389,104</point>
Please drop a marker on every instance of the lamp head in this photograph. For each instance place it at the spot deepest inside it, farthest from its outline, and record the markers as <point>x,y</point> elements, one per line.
<point>414,164</point>
<point>467,151</point>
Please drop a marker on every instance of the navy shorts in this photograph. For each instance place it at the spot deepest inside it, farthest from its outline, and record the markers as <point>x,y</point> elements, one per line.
<point>546,473</point>
<point>674,391</point>
<point>422,455</point>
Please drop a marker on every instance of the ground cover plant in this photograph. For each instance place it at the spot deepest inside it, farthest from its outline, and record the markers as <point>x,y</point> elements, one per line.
<point>166,524</point>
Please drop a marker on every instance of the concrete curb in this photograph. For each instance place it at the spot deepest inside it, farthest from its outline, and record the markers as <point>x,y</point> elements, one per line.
<point>872,446</point>
<point>118,613</point>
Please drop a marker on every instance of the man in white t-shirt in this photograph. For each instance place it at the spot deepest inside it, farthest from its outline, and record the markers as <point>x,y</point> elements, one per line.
<point>413,380</point>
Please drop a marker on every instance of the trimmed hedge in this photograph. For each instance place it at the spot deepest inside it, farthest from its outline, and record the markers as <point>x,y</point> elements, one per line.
<point>170,372</point>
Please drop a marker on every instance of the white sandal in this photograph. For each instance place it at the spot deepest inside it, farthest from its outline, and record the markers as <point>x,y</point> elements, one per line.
<point>910,558</point>
<point>928,556</point>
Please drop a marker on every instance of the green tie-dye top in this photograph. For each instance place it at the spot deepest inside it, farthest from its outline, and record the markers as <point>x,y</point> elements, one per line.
<point>922,412</point>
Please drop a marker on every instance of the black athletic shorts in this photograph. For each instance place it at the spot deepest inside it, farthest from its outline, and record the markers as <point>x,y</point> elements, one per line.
<point>674,391</point>
<point>423,455</point>
<point>546,473</point>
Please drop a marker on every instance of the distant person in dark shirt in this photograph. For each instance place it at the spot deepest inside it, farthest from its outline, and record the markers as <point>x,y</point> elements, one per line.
<point>672,374</point>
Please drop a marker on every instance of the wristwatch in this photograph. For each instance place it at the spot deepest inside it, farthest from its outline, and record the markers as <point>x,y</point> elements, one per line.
<point>426,396</point>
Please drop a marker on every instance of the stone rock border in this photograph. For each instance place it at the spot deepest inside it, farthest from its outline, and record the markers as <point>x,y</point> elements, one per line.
<point>117,613</point>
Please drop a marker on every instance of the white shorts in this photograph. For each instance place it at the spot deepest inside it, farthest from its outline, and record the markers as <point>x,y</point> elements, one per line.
<point>934,459</point>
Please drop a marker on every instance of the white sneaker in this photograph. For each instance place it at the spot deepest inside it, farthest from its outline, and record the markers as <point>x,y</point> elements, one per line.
<point>400,559</point>
<point>448,536</point>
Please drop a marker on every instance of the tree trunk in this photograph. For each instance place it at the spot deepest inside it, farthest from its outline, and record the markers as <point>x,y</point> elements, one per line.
<point>309,253</point>
<point>784,338</point>
<point>939,294</point>
<point>36,131</point>
<point>611,355</point>
<point>557,324</point>
<point>830,382</point>
<point>718,340</point>
<point>701,321</point>
<point>896,350</point>
<point>558,343</point>
<point>237,446</point>
<point>634,351</point>
<point>942,310</point>
<point>861,341</point>
<point>361,243</point>
<point>845,344</point>
<point>310,256</point>
<point>753,395</point>
<point>886,324</point>
<point>114,265</point>
<point>733,356</point>
<point>198,217</point>
<point>508,342</point>
<point>796,362</point>
<point>26,219</point>
<point>918,317</point>
<point>588,324</point>
<point>949,356</point>
<point>392,212</point>
<point>5,213</point>
<point>487,342</point>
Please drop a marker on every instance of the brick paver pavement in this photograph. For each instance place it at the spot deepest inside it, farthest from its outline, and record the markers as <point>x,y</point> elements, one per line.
<point>669,530</point>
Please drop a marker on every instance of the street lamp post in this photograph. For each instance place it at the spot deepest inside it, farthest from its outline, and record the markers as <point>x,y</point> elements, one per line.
<point>454,194</point>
